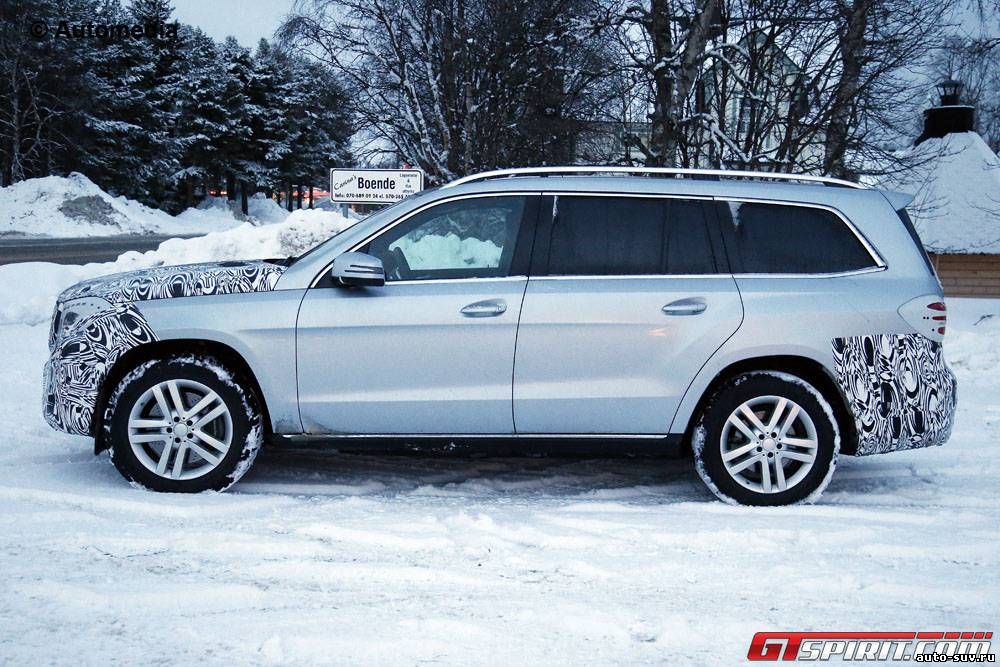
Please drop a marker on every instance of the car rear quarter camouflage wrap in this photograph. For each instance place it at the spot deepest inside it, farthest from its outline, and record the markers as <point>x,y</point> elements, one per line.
<point>81,360</point>
<point>899,389</point>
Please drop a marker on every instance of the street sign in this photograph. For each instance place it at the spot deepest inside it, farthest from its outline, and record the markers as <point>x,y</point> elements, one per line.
<point>374,186</point>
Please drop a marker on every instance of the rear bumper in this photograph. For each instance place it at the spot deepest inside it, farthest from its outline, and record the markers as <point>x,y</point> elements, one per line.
<point>899,390</point>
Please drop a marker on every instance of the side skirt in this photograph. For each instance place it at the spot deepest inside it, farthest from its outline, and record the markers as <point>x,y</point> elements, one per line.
<point>569,445</point>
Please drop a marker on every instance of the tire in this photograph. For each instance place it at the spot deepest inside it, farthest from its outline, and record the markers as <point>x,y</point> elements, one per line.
<point>731,448</point>
<point>210,449</point>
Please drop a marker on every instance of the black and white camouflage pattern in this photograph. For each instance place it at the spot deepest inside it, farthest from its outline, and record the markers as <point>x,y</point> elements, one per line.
<point>899,389</point>
<point>82,357</point>
<point>167,282</point>
<point>81,360</point>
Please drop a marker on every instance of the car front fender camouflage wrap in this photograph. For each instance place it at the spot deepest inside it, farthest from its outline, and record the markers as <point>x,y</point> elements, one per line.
<point>82,357</point>
<point>80,362</point>
<point>899,390</point>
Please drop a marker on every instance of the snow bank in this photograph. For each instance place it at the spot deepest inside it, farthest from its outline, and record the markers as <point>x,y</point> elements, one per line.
<point>28,291</point>
<point>971,343</point>
<point>260,208</point>
<point>75,206</point>
<point>300,231</point>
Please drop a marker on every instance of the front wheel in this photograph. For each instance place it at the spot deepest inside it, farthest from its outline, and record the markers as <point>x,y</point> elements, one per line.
<point>767,438</point>
<point>183,424</point>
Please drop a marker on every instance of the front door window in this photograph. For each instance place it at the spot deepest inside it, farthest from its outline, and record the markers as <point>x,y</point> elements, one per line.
<point>465,238</point>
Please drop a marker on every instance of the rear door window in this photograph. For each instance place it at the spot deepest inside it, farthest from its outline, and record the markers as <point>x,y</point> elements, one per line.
<point>621,236</point>
<point>782,238</point>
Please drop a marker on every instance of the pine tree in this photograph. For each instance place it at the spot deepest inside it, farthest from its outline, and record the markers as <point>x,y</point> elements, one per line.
<point>232,141</point>
<point>201,117</point>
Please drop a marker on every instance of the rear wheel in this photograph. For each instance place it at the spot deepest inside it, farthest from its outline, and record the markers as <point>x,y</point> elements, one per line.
<point>183,424</point>
<point>767,438</point>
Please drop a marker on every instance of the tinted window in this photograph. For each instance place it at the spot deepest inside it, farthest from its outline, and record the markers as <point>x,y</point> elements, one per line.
<point>904,217</point>
<point>779,238</point>
<point>466,238</point>
<point>629,236</point>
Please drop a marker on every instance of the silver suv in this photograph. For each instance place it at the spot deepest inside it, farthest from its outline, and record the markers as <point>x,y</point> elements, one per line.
<point>762,323</point>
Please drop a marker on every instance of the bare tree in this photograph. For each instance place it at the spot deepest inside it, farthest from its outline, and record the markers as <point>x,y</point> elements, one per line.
<point>779,84</point>
<point>457,85</point>
<point>872,102</point>
<point>27,108</point>
<point>665,42</point>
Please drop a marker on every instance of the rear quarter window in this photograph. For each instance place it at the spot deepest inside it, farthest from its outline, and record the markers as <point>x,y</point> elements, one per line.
<point>782,238</point>
<point>904,217</point>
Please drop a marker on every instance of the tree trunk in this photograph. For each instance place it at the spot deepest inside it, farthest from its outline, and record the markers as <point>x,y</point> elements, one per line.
<point>310,195</point>
<point>662,45</point>
<point>851,43</point>
<point>288,198</point>
<point>299,195</point>
<point>230,186</point>
<point>674,75</point>
<point>243,198</point>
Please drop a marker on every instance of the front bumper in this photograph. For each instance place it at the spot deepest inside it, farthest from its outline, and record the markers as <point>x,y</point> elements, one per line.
<point>69,396</point>
<point>80,362</point>
<point>899,389</point>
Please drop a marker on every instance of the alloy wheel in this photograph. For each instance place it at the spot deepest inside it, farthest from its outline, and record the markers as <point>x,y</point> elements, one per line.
<point>769,444</point>
<point>180,429</point>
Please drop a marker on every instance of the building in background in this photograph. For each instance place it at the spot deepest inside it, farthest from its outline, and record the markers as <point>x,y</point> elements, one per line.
<point>955,181</point>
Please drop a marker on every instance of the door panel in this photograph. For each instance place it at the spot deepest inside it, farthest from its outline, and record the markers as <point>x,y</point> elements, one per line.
<point>626,302</point>
<point>404,358</point>
<point>601,355</point>
<point>431,351</point>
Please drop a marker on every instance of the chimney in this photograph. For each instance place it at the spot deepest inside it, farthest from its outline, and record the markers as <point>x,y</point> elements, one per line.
<point>950,115</point>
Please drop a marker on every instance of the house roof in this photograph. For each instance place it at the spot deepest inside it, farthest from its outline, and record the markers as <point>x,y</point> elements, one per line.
<point>956,188</point>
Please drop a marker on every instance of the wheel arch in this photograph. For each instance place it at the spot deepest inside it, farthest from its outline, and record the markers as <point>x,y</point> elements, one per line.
<point>162,349</point>
<point>808,369</point>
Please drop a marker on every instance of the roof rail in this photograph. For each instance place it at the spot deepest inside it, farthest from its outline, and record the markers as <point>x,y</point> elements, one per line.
<point>656,171</point>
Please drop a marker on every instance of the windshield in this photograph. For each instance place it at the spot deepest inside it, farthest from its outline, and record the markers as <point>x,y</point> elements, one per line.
<point>378,218</point>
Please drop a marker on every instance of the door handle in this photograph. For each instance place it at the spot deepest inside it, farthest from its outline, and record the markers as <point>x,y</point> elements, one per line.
<point>488,308</point>
<point>691,306</point>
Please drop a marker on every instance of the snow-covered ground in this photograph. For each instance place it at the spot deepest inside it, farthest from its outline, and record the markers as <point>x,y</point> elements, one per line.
<point>321,558</point>
<point>74,206</point>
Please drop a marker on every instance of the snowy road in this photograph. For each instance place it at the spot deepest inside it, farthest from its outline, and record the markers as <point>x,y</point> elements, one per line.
<point>324,558</point>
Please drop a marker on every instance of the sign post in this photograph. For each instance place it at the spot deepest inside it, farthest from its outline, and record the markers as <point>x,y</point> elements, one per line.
<point>374,186</point>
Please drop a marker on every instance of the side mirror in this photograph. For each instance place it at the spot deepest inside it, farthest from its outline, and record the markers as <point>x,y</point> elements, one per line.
<point>358,269</point>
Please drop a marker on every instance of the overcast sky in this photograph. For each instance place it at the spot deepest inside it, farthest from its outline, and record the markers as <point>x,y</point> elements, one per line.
<point>246,20</point>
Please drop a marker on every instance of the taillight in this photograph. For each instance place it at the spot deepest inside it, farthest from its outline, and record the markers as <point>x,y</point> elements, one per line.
<point>939,315</point>
<point>927,314</point>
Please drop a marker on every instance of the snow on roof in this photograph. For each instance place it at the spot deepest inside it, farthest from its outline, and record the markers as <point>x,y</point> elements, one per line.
<point>956,183</point>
